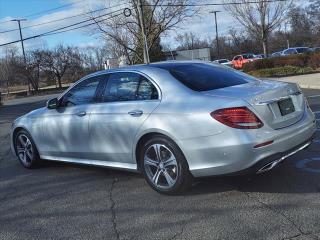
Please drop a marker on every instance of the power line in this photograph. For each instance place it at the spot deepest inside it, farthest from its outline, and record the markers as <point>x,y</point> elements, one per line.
<point>72,29</point>
<point>61,19</point>
<point>61,28</point>
<point>52,9</point>
<point>212,4</point>
<point>45,11</point>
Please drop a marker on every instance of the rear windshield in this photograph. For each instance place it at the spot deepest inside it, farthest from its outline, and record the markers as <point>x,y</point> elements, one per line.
<point>205,77</point>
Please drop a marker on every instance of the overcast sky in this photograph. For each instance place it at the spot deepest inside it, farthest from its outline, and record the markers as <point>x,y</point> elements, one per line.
<point>34,11</point>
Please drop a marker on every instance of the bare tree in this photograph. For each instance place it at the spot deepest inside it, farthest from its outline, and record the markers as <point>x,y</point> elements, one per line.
<point>7,67</point>
<point>190,40</point>
<point>58,61</point>
<point>33,68</point>
<point>259,19</point>
<point>125,32</point>
<point>93,58</point>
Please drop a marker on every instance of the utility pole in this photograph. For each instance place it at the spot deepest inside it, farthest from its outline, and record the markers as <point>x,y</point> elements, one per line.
<point>146,58</point>
<point>21,39</point>
<point>217,37</point>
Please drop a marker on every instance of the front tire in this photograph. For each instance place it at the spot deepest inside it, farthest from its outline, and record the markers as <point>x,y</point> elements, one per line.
<point>164,166</point>
<point>26,150</point>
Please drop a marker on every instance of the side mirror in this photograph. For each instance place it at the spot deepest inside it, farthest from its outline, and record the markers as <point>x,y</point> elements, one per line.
<point>53,103</point>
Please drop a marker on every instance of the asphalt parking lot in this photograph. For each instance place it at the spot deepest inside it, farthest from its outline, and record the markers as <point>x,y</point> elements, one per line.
<point>67,201</point>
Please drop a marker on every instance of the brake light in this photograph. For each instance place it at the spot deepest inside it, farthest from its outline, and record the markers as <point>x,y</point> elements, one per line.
<point>237,117</point>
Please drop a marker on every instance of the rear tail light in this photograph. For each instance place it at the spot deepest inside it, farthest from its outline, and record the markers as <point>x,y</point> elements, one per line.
<point>237,117</point>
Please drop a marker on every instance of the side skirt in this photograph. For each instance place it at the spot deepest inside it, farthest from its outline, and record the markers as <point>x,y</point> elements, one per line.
<point>116,165</point>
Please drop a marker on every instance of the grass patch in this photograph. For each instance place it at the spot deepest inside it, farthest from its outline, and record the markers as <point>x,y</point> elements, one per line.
<point>311,60</point>
<point>283,71</point>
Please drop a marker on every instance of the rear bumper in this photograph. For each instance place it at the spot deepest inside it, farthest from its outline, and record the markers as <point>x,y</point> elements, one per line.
<point>232,152</point>
<point>272,161</point>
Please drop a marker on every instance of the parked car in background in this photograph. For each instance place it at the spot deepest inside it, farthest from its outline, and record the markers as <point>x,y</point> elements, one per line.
<point>171,121</point>
<point>276,54</point>
<point>316,49</point>
<point>296,50</point>
<point>224,61</point>
<point>221,61</point>
<point>239,60</point>
<point>260,56</point>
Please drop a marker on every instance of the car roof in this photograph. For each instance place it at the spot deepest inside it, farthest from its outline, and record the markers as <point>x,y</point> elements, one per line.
<point>143,67</point>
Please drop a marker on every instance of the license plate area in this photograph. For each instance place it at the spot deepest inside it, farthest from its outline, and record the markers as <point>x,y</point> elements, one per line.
<point>286,106</point>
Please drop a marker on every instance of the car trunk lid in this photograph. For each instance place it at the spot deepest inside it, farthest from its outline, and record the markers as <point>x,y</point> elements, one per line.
<point>278,104</point>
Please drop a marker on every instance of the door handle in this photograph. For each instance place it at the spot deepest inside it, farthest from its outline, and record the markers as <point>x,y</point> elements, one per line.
<point>135,113</point>
<point>81,114</point>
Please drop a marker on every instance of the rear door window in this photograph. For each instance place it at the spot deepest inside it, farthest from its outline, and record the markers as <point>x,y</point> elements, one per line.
<point>128,86</point>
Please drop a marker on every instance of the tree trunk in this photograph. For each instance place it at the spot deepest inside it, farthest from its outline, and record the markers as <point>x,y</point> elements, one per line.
<point>265,48</point>
<point>265,44</point>
<point>59,82</point>
<point>8,90</point>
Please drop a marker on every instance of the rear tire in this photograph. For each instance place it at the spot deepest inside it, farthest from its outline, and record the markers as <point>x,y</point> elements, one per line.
<point>26,150</point>
<point>164,166</point>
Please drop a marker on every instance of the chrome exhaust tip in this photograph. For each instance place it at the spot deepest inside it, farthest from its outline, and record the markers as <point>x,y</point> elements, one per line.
<point>274,163</point>
<point>268,167</point>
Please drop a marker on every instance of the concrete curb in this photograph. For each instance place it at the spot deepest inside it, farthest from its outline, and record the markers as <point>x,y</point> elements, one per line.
<point>308,86</point>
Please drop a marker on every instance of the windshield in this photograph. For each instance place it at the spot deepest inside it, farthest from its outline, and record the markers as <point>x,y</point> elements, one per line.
<point>248,56</point>
<point>205,77</point>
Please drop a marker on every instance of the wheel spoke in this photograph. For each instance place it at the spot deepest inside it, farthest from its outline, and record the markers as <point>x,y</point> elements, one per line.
<point>156,176</point>
<point>156,148</point>
<point>28,143</point>
<point>170,162</point>
<point>22,141</point>
<point>24,158</point>
<point>150,162</point>
<point>20,150</point>
<point>168,178</point>
<point>29,153</point>
<point>21,155</point>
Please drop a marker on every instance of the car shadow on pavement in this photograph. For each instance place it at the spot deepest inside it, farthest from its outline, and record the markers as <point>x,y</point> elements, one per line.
<point>285,178</point>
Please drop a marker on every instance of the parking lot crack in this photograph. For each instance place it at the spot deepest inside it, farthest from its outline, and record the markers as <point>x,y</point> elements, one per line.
<point>178,234</point>
<point>274,211</point>
<point>112,208</point>
<point>299,235</point>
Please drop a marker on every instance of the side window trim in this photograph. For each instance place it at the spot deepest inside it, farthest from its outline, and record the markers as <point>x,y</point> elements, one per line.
<point>103,88</point>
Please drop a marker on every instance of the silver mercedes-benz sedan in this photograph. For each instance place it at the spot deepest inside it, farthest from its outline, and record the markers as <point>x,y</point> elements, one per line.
<point>172,121</point>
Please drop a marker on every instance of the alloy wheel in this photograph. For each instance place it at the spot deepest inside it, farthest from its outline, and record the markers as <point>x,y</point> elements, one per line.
<point>161,166</point>
<point>24,149</point>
